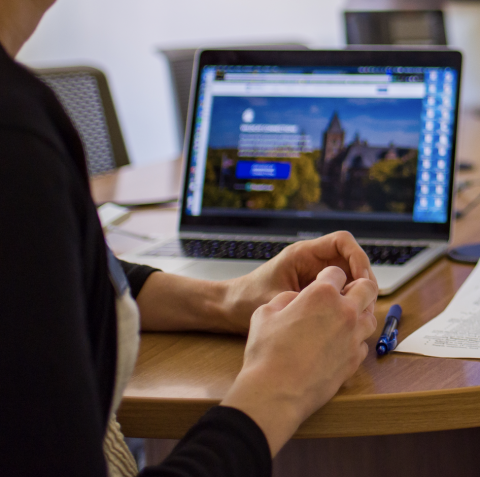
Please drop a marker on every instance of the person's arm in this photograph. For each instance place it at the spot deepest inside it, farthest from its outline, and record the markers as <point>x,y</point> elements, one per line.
<point>224,443</point>
<point>301,348</point>
<point>170,302</point>
<point>136,275</point>
<point>304,342</point>
<point>50,407</point>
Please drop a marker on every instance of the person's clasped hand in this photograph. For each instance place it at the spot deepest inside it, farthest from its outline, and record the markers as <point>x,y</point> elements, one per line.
<point>292,270</point>
<point>301,347</point>
<point>311,310</point>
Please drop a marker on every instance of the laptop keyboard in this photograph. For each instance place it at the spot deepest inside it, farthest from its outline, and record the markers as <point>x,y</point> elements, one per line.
<point>390,254</point>
<point>220,249</point>
<point>251,250</point>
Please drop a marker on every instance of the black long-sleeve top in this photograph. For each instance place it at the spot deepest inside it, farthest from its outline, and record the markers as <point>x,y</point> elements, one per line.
<point>57,310</point>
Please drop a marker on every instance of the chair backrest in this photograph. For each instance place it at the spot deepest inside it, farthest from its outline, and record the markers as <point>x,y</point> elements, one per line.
<point>395,27</point>
<point>181,67</point>
<point>85,96</point>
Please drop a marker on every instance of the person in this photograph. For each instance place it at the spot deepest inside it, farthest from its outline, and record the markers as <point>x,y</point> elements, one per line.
<point>69,333</point>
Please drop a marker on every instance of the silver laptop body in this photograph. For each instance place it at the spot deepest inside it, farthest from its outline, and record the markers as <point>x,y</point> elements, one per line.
<point>290,145</point>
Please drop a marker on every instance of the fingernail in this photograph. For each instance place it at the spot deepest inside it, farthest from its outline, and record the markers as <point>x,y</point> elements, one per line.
<point>365,274</point>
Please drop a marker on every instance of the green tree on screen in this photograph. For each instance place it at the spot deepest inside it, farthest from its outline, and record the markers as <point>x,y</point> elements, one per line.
<point>299,191</point>
<point>391,184</point>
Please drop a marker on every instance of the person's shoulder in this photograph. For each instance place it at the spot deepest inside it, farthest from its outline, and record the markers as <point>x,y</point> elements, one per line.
<point>25,102</point>
<point>31,110</point>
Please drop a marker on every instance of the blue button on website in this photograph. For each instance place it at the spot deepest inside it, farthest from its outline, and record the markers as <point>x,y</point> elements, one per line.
<point>262,170</point>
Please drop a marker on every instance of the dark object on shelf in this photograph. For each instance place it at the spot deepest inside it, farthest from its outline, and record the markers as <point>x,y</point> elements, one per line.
<point>85,95</point>
<point>466,253</point>
<point>465,166</point>
<point>395,27</point>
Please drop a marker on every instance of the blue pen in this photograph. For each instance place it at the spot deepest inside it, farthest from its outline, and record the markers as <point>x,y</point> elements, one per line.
<point>388,339</point>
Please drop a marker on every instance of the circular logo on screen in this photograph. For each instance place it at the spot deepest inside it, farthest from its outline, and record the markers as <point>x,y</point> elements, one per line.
<point>248,115</point>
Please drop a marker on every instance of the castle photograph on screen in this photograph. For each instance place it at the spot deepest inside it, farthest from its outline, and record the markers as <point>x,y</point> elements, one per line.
<point>313,154</point>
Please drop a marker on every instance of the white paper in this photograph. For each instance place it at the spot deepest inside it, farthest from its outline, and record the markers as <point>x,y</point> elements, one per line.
<point>454,333</point>
<point>112,214</point>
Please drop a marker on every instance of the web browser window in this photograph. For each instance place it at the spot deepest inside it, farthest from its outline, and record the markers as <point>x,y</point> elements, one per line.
<point>354,143</point>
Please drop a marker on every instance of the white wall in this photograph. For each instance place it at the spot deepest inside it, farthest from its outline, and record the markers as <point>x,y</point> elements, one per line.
<point>121,37</point>
<point>463,32</point>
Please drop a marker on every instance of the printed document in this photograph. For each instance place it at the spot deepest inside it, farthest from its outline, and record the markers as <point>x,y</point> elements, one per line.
<point>454,333</point>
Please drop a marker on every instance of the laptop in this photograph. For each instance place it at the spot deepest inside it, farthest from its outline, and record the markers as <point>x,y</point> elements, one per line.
<point>284,146</point>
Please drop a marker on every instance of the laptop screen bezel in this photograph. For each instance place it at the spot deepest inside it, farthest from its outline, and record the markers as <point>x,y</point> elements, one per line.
<point>439,57</point>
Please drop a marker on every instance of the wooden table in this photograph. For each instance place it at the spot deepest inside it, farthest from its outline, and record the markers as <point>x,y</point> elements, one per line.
<point>178,376</point>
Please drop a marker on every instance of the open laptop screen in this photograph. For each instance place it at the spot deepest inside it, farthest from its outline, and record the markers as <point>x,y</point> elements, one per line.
<point>323,147</point>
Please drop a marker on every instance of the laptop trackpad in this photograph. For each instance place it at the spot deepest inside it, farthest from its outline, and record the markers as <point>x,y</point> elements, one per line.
<point>218,270</point>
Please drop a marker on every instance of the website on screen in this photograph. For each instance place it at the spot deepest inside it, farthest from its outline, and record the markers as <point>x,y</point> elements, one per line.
<point>356,142</point>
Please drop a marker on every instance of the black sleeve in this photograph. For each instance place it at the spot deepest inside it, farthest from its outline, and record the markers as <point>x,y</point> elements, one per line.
<point>50,418</point>
<point>136,275</point>
<point>224,443</point>
<point>51,422</point>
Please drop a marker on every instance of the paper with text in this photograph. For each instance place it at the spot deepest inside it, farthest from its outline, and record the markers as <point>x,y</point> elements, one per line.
<point>454,333</point>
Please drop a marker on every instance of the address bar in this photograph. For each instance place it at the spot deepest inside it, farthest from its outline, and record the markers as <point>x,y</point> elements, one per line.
<point>307,78</point>
<point>355,90</point>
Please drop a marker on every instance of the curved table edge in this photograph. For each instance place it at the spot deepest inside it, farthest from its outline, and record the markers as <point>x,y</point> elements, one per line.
<point>343,416</point>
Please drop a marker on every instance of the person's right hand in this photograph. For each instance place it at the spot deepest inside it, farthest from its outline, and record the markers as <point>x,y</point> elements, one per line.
<point>301,348</point>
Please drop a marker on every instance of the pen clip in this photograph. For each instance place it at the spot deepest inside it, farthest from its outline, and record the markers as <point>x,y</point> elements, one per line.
<point>387,343</point>
<point>392,341</point>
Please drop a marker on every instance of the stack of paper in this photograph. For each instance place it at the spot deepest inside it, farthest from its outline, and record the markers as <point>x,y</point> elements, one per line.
<point>454,333</point>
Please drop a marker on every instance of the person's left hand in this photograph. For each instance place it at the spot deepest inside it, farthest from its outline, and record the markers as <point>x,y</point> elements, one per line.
<point>292,270</point>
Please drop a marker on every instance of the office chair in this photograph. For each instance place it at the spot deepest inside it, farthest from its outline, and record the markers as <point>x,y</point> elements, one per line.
<point>85,95</point>
<point>180,62</point>
<point>395,27</point>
